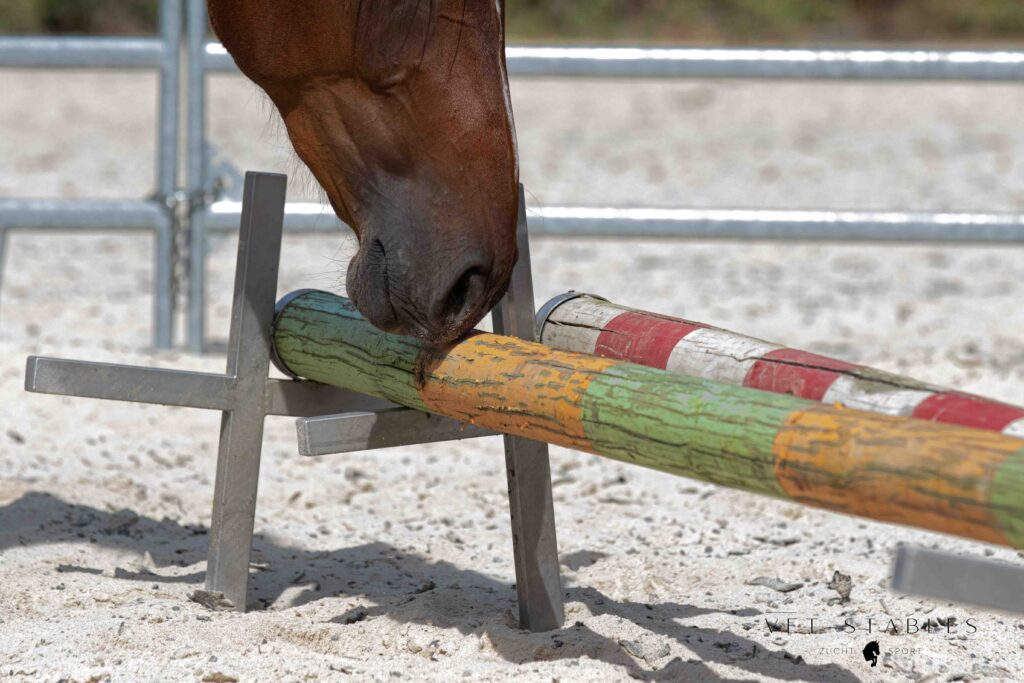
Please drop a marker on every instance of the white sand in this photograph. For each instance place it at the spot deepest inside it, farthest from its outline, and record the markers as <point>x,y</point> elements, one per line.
<point>397,565</point>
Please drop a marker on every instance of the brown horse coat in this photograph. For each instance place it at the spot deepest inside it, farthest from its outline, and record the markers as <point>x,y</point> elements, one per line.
<point>401,110</point>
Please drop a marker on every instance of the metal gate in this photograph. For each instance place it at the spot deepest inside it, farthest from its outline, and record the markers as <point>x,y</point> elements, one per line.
<point>691,63</point>
<point>155,214</point>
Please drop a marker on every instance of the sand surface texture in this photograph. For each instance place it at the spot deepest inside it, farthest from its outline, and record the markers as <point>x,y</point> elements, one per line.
<point>397,564</point>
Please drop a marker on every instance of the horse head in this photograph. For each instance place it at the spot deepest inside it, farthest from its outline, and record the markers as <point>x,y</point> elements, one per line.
<point>401,110</point>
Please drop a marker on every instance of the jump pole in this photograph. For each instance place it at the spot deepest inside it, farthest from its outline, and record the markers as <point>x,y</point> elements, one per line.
<point>590,324</point>
<point>943,478</point>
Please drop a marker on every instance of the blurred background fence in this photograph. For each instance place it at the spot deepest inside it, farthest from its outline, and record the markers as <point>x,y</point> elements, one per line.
<point>978,32</point>
<point>733,21</point>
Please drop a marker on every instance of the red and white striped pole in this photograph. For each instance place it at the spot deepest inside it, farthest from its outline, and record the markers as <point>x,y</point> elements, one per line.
<point>590,324</point>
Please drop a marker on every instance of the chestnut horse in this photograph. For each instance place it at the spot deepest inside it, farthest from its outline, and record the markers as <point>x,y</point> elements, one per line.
<point>401,110</point>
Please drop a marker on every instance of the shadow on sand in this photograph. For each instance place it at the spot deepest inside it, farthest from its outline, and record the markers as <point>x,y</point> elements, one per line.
<point>407,588</point>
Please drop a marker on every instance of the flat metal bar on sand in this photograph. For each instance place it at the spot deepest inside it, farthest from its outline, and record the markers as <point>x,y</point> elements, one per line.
<point>977,581</point>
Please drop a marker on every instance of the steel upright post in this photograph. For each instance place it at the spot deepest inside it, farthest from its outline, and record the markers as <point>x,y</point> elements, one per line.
<point>238,458</point>
<point>534,544</point>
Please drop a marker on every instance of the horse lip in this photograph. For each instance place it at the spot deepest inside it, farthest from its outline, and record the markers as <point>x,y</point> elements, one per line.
<point>454,330</point>
<point>370,267</point>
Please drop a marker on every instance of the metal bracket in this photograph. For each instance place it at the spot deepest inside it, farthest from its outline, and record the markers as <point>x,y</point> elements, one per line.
<point>549,307</point>
<point>169,202</point>
<point>225,179</point>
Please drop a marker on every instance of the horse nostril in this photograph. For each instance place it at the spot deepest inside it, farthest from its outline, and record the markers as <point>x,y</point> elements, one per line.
<point>464,295</point>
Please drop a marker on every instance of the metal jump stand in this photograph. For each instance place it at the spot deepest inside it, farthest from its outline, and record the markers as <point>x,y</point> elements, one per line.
<point>338,421</point>
<point>245,395</point>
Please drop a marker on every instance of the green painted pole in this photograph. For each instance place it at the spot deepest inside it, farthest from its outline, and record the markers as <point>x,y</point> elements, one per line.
<point>940,477</point>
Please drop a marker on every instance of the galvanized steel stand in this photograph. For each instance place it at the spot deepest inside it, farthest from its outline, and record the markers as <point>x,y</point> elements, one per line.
<point>527,464</point>
<point>246,395</point>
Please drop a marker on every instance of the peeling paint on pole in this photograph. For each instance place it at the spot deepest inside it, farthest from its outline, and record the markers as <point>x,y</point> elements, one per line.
<point>944,478</point>
<point>588,324</point>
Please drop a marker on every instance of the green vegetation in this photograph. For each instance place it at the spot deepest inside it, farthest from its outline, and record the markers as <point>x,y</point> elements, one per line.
<point>706,21</point>
<point>78,16</point>
<point>749,21</point>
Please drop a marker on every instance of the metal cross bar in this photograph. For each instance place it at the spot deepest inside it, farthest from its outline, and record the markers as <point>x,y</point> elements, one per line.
<point>528,467</point>
<point>970,580</point>
<point>207,391</point>
<point>245,396</point>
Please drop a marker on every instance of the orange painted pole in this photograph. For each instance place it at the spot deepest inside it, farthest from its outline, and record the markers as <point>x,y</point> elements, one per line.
<point>939,477</point>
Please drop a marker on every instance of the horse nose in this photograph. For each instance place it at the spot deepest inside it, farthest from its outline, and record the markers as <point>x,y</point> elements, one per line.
<point>461,298</point>
<point>436,302</point>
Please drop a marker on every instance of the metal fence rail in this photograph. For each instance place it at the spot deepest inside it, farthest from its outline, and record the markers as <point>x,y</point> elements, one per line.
<point>965,65</point>
<point>198,185</point>
<point>208,213</point>
<point>641,62</point>
<point>784,225</point>
<point>646,62</point>
<point>42,52</point>
<point>156,215</point>
<point>724,224</point>
<point>83,214</point>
